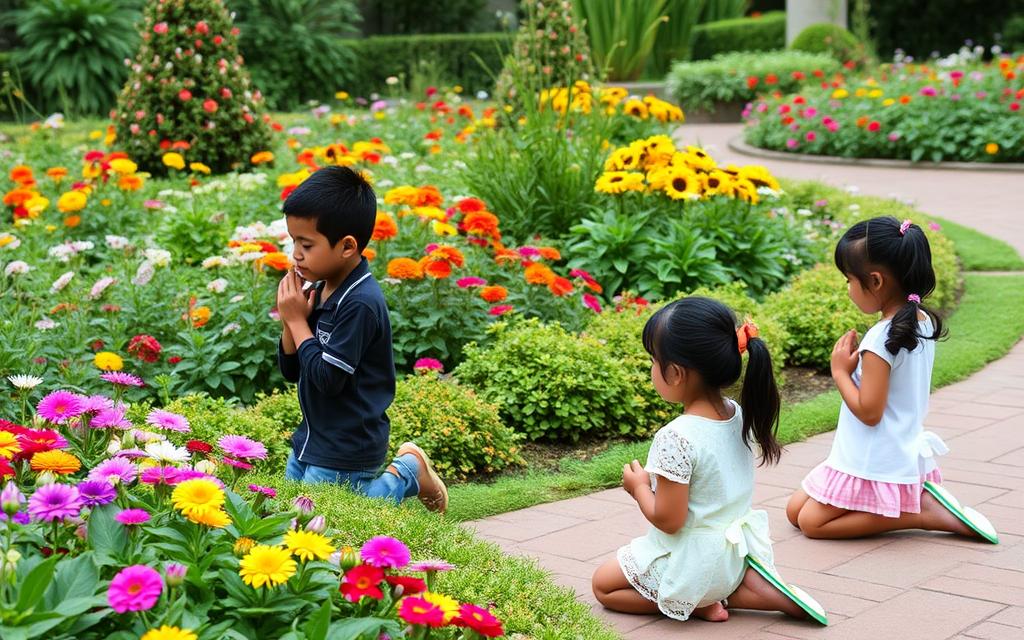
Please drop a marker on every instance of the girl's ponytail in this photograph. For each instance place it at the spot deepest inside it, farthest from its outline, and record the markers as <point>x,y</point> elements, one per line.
<point>760,401</point>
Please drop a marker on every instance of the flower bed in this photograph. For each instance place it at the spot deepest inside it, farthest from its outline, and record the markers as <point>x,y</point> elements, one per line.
<point>956,110</point>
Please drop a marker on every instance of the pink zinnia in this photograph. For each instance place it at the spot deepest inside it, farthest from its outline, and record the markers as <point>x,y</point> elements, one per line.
<point>153,204</point>
<point>385,551</point>
<point>529,252</point>
<point>167,420</point>
<point>928,91</point>
<point>592,303</point>
<point>238,464</point>
<point>58,406</point>
<point>428,364</point>
<point>122,379</point>
<point>112,418</point>
<point>115,470</point>
<point>242,447</point>
<point>135,588</point>
<point>132,517</point>
<point>431,565</point>
<point>471,281</point>
<point>791,143</point>
<point>270,492</point>
<point>811,136</point>
<point>500,310</point>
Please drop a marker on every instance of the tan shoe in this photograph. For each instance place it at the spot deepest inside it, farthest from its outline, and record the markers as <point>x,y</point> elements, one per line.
<point>433,493</point>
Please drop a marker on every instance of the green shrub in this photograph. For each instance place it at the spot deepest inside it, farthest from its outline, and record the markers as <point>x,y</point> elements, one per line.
<point>921,28</point>
<point>1013,34</point>
<point>294,48</point>
<point>763,33</point>
<point>829,39</point>
<point>469,60</point>
<point>72,51</point>
<point>211,418</point>
<point>184,97</point>
<point>280,407</point>
<point>816,310</point>
<point>553,385</point>
<point>726,77</point>
<point>463,435</point>
<point>621,33</point>
<point>675,37</point>
<point>415,16</point>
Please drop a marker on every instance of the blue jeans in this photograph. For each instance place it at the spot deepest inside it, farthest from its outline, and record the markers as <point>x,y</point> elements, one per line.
<point>367,483</point>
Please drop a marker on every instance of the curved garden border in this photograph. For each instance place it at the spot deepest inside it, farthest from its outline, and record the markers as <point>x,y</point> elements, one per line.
<point>739,146</point>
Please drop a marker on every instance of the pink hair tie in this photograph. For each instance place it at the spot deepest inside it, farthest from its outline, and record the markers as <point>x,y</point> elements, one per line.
<point>906,225</point>
<point>916,299</point>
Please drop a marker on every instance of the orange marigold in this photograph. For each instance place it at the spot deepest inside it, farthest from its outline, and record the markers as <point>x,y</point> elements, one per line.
<point>437,268</point>
<point>506,256</point>
<point>275,260</point>
<point>385,227</point>
<point>72,221</point>
<point>494,293</point>
<point>369,253</point>
<point>560,286</point>
<point>405,269</point>
<point>428,196</point>
<point>199,316</point>
<point>537,273</point>
<point>22,175</point>
<point>18,197</point>
<point>481,223</point>
<point>449,254</point>
<point>470,205</point>
<point>129,182</point>
<point>55,461</point>
<point>550,253</point>
<point>57,173</point>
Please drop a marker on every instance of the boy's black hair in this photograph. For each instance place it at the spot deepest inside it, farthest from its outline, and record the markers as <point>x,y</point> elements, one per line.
<point>340,200</point>
<point>904,252</point>
<point>700,334</point>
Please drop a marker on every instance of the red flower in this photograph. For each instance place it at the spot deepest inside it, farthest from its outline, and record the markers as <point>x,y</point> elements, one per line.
<point>145,348</point>
<point>160,27</point>
<point>202,27</point>
<point>799,100</point>
<point>798,75</point>
<point>184,95</point>
<point>751,82</point>
<point>419,611</point>
<point>410,584</point>
<point>470,205</point>
<point>874,125</point>
<point>210,105</point>
<point>225,93</point>
<point>174,360</point>
<point>480,620</point>
<point>818,73</point>
<point>218,40</point>
<point>560,286</point>
<point>6,470</point>
<point>500,310</point>
<point>362,580</point>
<point>198,446</point>
<point>771,78</point>
<point>1014,106</point>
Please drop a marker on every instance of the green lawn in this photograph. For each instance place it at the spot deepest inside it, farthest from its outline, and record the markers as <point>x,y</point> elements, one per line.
<point>979,252</point>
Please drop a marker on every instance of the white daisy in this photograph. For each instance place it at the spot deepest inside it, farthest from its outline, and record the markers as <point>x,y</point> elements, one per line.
<point>166,452</point>
<point>24,381</point>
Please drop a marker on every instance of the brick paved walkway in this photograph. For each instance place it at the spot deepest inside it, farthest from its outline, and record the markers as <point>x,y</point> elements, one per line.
<point>909,586</point>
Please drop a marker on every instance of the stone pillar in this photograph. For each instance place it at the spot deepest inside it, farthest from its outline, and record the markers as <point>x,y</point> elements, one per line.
<point>801,14</point>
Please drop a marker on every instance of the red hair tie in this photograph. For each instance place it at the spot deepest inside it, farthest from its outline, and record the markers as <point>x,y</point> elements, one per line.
<point>745,334</point>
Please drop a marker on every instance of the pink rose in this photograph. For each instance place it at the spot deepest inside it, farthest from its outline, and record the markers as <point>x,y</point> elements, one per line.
<point>160,27</point>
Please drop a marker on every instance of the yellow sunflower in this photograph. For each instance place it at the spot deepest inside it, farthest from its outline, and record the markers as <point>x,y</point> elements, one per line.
<point>308,545</point>
<point>55,461</point>
<point>746,190</point>
<point>623,159</point>
<point>266,565</point>
<point>682,183</point>
<point>613,95</point>
<point>636,108</point>
<point>9,445</point>
<point>717,183</point>
<point>760,176</point>
<point>615,182</point>
<point>696,158</point>
<point>196,495</point>
<point>169,633</point>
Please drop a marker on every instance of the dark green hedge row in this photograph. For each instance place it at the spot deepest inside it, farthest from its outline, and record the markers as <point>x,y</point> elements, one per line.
<point>763,33</point>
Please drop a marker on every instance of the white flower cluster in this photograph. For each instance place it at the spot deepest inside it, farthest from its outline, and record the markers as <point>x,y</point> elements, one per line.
<point>67,250</point>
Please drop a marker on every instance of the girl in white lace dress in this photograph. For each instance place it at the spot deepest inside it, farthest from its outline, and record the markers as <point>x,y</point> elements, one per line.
<point>706,549</point>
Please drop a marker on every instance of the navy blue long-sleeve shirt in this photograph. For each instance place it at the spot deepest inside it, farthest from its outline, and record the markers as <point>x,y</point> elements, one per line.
<point>346,377</point>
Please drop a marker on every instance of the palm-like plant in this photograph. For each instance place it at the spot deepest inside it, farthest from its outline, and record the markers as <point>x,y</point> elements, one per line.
<point>72,51</point>
<point>294,48</point>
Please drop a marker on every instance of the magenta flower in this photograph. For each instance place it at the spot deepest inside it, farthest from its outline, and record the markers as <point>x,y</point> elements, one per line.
<point>54,502</point>
<point>303,504</point>
<point>270,492</point>
<point>471,281</point>
<point>135,588</point>
<point>238,464</point>
<point>158,475</point>
<point>132,517</point>
<point>810,112</point>
<point>181,475</point>
<point>529,252</point>
<point>242,447</point>
<point>500,310</point>
<point>167,420</point>
<point>11,498</point>
<point>175,573</point>
<point>791,143</point>
<point>385,551</point>
<point>115,470</point>
<point>96,404</point>
<point>592,302</point>
<point>58,406</point>
<point>112,418</point>
<point>928,91</point>
<point>811,136</point>
<point>96,492</point>
<point>428,364</point>
<point>934,226</point>
<point>431,565</point>
<point>122,379</point>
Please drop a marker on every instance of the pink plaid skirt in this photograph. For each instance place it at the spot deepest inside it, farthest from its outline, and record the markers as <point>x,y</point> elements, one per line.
<point>828,486</point>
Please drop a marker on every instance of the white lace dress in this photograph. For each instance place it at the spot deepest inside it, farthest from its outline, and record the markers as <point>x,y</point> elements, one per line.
<point>704,561</point>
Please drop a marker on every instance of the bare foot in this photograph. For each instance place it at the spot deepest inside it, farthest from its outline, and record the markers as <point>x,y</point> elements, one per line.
<point>935,517</point>
<point>712,613</point>
<point>757,593</point>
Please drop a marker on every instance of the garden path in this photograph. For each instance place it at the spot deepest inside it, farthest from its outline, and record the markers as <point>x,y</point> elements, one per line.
<point>905,585</point>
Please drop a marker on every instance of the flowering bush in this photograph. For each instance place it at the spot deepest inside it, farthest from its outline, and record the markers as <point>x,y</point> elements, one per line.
<point>955,109</point>
<point>102,539</point>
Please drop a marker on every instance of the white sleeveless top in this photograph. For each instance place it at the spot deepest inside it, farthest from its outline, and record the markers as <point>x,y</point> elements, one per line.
<point>897,449</point>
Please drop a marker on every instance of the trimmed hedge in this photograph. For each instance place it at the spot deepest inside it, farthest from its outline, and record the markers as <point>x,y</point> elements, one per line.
<point>830,39</point>
<point>763,33</point>
<point>453,57</point>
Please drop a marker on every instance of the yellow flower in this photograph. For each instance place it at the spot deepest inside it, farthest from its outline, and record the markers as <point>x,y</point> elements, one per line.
<point>123,166</point>
<point>717,183</point>
<point>130,182</point>
<point>55,461</point>
<point>888,102</point>
<point>9,445</point>
<point>266,565</point>
<point>174,160</point>
<point>243,546</point>
<point>839,94</point>
<point>449,606</point>
<point>95,134</point>
<point>216,518</point>
<point>292,179</point>
<point>198,494</point>
<point>199,167</point>
<point>875,93</point>
<point>619,182</point>
<point>695,158</point>
<point>992,148</point>
<point>623,159</point>
<point>760,176</point>
<point>108,361</point>
<point>341,95</point>
<point>746,190</point>
<point>860,93</point>
<point>636,108</point>
<point>308,545</point>
<point>444,229</point>
<point>681,183</point>
<point>613,95</point>
<point>71,201</point>
<point>169,633</point>
<point>36,205</point>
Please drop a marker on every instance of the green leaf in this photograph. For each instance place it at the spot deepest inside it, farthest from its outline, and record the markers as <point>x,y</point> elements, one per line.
<point>32,587</point>
<point>320,623</point>
<point>360,628</point>
<point>105,534</point>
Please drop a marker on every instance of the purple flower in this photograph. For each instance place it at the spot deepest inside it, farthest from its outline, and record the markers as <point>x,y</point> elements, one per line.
<point>378,105</point>
<point>304,504</point>
<point>54,502</point>
<point>115,470</point>
<point>385,551</point>
<point>242,447</point>
<point>58,406</point>
<point>20,517</point>
<point>96,404</point>
<point>122,379</point>
<point>174,573</point>
<point>132,517</point>
<point>11,498</point>
<point>112,418</point>
<point>96,492</point>
<point>167,420</point>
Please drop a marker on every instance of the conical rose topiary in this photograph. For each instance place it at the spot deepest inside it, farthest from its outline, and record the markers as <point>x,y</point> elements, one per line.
<point>189,92</point>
